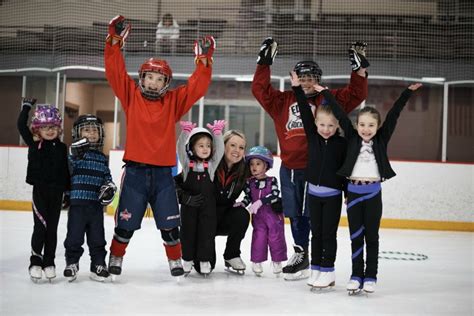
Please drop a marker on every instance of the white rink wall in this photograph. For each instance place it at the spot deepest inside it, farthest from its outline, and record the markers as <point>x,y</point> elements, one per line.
<point>420,191</point>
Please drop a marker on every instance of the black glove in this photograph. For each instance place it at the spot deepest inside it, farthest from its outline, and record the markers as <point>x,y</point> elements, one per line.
<point>268,51</point>
<point>357,53</point>
<point>107,193</point>
<point>66,200</point>
<point>79,148</point>
<point>29,102</point>
<point>191,200</point>
<point>277,206</point>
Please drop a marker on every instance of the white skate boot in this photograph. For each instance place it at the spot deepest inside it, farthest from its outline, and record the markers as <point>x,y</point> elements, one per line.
<point>369,286</point>
<point>313,277</point>
<point>205,267</point>
<point>36,273</point>
<point>187,267</point>
<point>257,268</point>
<point>50,273</point>
<point>277,267</point>
<point>70,272</point>
<point>354,286</point>
<point>325,280</point>
<point>235,265</point>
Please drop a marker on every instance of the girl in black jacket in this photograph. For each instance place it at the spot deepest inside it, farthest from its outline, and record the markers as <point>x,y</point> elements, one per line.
<point>48,172</point>
<point>326,154</point>
<point>366,166</point>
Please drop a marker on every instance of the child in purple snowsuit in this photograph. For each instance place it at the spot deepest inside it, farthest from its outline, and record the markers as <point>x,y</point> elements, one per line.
<point>262,194</point>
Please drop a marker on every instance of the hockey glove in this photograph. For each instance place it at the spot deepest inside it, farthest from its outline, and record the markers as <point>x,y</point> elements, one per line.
<point>187,126</point>
<point>217,128</point>
<point>66,200</point>
<point>107,193</point>
<point>29,102</point>
<point>204,48</point>
<point>253,208</point>
<point>357,53</point>
<point>79,148</point>
<point>268,51</point>
<point>118,30</point>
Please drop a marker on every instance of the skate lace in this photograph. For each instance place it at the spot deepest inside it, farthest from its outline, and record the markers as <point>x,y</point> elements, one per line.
<point>73,267</point>
<point>115,261</point>
<point>296,258</point>
<point>99,269</point>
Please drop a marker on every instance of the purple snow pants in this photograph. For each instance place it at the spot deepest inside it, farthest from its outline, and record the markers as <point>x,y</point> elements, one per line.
<point>268,232</point>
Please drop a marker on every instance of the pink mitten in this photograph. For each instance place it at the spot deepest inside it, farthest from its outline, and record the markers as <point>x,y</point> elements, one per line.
<point>253,209</point>
<point>187,126</point>
<point>217,128</point>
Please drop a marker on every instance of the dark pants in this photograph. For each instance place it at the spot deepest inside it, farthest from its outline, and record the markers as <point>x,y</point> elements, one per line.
<point>233,223</point>
<point>364,212</point>
<point>198,224</point>
<point>89,220</point>
<point>46,211</point>
<point>325,214</point>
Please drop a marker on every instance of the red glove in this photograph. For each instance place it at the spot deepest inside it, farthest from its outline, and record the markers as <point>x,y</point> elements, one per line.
<point>118,30</point>
<point>204,48</point>
<point>217,128</point>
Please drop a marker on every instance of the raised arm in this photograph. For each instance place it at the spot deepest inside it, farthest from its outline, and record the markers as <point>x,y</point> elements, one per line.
<point>305,109</point>
<point>22,122</point>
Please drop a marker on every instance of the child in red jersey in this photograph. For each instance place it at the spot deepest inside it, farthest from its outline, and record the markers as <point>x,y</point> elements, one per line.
<point>151,111</point>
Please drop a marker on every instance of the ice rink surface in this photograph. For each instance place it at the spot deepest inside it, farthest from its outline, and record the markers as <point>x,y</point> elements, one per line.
<point>439,285</point>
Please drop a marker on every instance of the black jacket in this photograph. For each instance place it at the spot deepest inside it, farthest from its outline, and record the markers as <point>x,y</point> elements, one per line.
<point>380,139</point>
<point>47,165</point>
<point>325,156</point>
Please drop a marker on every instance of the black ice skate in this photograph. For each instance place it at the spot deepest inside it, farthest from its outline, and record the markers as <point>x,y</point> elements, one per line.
<point>70,272</point>
<point>235,265</point>
<point>176,267</point>
<point>297,267</point>
<point>99,273</point>
<point>115,266</point>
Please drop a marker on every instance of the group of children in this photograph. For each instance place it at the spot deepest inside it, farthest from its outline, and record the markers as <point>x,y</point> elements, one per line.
<point>337,167</point>
<point>80,181</point>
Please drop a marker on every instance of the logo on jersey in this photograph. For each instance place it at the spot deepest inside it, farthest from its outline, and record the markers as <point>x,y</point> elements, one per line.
<point>125,215</point>
<point>294,125</point>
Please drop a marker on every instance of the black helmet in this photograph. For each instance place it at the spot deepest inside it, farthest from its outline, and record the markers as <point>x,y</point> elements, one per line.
<point>308,68</point>
<point>89,120</point>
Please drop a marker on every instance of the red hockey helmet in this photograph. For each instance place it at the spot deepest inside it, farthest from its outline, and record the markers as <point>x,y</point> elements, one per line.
<point>158,66</point>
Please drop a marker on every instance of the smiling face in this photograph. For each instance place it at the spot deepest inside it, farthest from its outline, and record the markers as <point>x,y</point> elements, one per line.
<point>234,150</point>
<point>153,81</point>
<point>202,148</point>
<point>90,132</point>
<point>367,125</point>
<point>48,132</point>
<point>326,124</point>
<point>307,84</point>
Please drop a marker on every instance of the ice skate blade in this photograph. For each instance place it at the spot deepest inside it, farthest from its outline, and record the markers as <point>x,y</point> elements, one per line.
<point>71,279</point>
<point>237,272</point>
<point>113,277</point>
<point>320,289</point>
<point>355,292</point>
<point>35,280</point>
<point>258,274</point>
<point>300,275</point>
<point>97,278</point>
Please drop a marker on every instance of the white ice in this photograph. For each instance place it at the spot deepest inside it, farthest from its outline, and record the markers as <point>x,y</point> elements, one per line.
<point>440,285</point>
